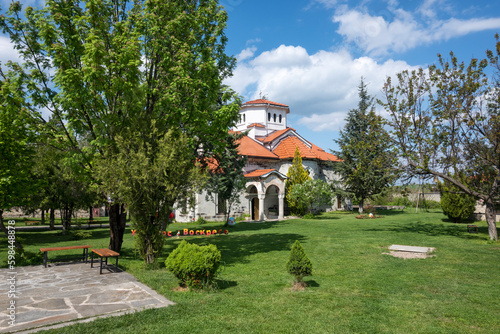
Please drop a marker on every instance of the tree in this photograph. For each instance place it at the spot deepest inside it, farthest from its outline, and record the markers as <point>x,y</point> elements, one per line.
<point>226,176</point>
<point>108,71</point>
<point>366,165</point>
<point>299,264</point>
<point>16,149</point>
<point>446,122</point>
<point>456,204</point>
<point>309,194</point>
<point>296,175</point>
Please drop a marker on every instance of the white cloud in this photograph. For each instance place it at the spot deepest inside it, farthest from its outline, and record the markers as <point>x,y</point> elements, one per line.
<point>320,87</point>
<point>7,51</point>
<point>378,36</point>
<point>246,53</point>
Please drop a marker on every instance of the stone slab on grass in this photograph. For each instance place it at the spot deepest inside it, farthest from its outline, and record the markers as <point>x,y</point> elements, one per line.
<point>412,249</point>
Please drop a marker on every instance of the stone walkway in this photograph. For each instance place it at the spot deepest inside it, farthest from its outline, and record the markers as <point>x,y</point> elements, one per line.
<point>69,292</point>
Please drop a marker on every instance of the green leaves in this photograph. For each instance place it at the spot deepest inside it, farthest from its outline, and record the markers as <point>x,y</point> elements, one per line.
<point>367,165</point>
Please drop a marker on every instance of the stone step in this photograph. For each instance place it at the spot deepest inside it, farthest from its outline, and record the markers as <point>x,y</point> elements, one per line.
<point>413,249</point>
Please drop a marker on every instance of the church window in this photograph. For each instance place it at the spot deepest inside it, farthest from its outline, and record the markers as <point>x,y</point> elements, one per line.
<point>274,118</point>
<point>280,118</point>
<point>269,117</point>
<point>243,118</point>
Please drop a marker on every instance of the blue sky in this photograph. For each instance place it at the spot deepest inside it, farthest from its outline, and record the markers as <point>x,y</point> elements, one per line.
<point>311,54</point>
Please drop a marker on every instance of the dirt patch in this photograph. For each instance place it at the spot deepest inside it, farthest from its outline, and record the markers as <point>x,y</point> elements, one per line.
<point>301,286</point>
<point>409,255</point>
<point>181,288</point>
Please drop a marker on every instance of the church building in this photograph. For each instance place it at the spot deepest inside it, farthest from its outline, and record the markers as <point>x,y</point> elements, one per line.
<point>269,147</point>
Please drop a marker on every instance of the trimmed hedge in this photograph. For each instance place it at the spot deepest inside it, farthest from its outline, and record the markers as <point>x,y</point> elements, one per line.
<point>195,266</point>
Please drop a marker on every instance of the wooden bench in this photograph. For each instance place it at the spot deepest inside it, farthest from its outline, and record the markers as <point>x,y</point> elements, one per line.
<point>103,253</point>
<point>32,222</point>
<point>51,249</point>
<point>472,229</point>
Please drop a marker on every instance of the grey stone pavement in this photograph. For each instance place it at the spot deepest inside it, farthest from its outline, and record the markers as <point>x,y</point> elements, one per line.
<point>70,292</point>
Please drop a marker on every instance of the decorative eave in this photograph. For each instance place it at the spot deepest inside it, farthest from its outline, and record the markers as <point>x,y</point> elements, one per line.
<point>264,173</point>
<point>265,103</point>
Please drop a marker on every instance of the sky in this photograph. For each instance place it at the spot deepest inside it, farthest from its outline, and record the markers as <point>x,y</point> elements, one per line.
<point>312,54</point>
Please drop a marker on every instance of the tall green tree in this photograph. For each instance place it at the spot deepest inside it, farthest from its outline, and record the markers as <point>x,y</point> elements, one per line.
<point>296,175</point>
<point>446,122</point>
<point>367,165</point>
<point>16,149</point>
<point>311,193</point>
<point>226,179</point>
<point>111,71</point>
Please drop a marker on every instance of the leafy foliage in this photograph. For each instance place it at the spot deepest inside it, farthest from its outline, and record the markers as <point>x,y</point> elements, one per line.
<point>109,72</point>
<point>296,175</point>
<point>157,176</point>
<point>367,164</point>
<point>226,176</point>
<point>194,266</point>
<point>299,264</point>
<point>310,194</point>
<point>446,121</point>
<point>456,204</point>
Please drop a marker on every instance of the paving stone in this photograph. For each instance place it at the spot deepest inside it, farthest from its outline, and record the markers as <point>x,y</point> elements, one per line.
<point>90,310</point>
<point>69,292</point>
<point>51,304</point>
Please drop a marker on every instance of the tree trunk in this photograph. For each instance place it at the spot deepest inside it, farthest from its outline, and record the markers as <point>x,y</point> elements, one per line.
<point>360,210</point>
<point>52,219</point>
<point>4,229</point>
<point>43,217</point>
<point>491,216</point>
<point>117,220</point>
<point>91,214</point>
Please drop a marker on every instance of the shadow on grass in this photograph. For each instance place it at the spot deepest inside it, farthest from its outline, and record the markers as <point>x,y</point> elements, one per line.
<point>430,229</point>
<point>312,284</point>
<point>225,284</point>
<point>237,248</point>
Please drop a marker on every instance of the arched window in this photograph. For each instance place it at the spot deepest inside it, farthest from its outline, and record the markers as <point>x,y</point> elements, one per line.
<point>280,118</point>
<point>244,118</point>
<point>269,117</point>
<point>274,118</point>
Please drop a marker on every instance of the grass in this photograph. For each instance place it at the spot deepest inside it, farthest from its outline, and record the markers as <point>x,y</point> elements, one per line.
<point>354,287</point>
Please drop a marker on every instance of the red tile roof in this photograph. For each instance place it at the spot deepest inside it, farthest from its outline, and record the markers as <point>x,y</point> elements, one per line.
<point>259,172</point>
<point>286,150</point>
<point>276,134</point>
<point>257,125</point>
<point>250,147</point>
<point>262,101</point>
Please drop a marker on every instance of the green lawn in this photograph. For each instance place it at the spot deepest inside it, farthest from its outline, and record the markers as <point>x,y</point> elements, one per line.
<point>354,287</point>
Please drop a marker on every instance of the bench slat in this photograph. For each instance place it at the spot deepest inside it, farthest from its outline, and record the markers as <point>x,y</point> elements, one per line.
<point>62,248</point>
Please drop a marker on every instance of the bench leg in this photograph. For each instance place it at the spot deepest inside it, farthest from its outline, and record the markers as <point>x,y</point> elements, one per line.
<point>100,271</point>
<point>92,260</point>
<point>45,259</point>
<point>116,263</point>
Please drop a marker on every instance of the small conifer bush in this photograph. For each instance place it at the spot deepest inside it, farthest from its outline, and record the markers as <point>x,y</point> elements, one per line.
<point>299,264</point>
<point>195,266</point>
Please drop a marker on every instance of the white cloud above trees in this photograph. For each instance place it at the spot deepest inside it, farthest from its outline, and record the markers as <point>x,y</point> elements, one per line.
<point>319,87</point>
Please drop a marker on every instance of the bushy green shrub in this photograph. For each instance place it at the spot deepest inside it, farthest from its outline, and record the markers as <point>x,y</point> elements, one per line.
<point>24,258</point>
<point>455,203</point>
<point>299,264</point>
<point>195,266</point>
<point>77,234</point>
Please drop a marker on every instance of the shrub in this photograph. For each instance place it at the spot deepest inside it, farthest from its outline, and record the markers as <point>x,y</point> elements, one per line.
<point>299,264</point>
<point>24,258</point>
<point>77,234</point>
<point>195,266</point>
<point>369,209</point>
<point>456,204</point>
